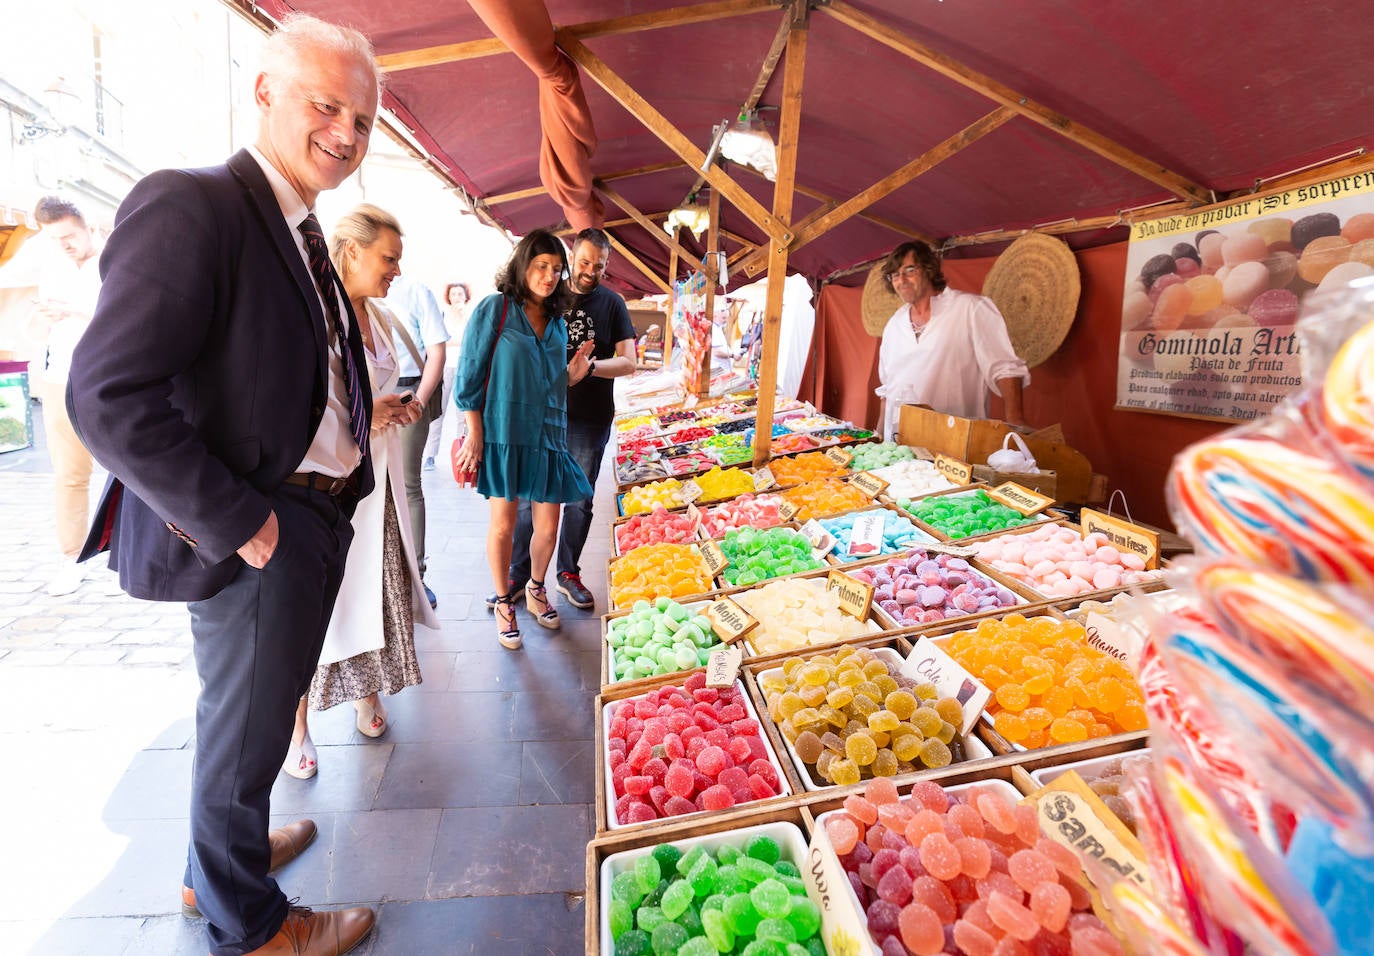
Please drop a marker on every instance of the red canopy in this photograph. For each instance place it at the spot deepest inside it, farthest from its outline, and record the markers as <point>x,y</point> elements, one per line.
<point>1158,105</point>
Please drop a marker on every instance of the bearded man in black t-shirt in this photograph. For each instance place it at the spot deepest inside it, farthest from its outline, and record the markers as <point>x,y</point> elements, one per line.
<point>600,315</point>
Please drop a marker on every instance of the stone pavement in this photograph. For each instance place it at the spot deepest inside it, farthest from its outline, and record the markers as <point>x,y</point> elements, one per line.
<point>466,824</point>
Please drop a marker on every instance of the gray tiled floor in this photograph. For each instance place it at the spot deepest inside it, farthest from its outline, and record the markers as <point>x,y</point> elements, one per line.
<point>465,825</point>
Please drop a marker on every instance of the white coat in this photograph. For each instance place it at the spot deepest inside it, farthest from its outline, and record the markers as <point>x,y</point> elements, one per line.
<point>356,625</point>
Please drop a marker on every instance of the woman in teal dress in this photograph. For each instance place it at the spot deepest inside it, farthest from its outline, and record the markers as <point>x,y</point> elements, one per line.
<point>512,386</point>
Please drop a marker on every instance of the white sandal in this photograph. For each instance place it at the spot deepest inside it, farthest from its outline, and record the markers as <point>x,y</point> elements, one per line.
<point>302,762</point>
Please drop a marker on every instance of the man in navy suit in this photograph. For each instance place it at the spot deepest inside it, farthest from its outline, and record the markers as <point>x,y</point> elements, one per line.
<point>223,383</point>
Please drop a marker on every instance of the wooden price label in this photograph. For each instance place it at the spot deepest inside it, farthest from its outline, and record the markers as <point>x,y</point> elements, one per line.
<point>855,596</point>
<point>716,561</point>
<point>869,483</point>
<point>722,668</point>
<point>1020,498</point>
<point>694,515</point>
<point>787,511</point>
<point>729,620</point>
<point>1126,537</point>
<point>690,491</point>
<point>928,662</point>
<point>839,456</point>
<point>764,480</point>
<point>959,472</point>
<point>1073,815</point>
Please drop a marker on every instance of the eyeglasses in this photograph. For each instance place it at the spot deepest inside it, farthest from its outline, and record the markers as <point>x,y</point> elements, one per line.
<point>905,272</point>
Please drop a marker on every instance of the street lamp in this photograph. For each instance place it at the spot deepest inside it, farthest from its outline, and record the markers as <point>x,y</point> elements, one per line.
<point>60,102</point>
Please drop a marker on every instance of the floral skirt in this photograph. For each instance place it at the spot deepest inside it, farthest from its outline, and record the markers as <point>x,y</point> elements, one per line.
<point>394,665</point>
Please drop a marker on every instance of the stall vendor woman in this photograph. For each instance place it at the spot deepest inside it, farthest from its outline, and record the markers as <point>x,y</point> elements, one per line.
<point>943,348</point>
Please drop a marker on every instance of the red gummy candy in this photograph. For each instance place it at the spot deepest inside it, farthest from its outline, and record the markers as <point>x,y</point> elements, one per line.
<point>1050,905</point>
<point>694,682</point>
<point>739,749</point>
<point>656,768</point>
<point>641,813</point>
<point>638,786</point>
<point>731,713</point>
<point>734,778</point>
<point>717,798</point>
<point>922,931</point>
<point>931,795</point>
<point>766,770</point>
<point>677,806</point>
<point>761,788</point>
<point>1008,913</point>
<point>658,796</point>
<point>711,761</point>
<point>679,780</point>
<point>895,886</point>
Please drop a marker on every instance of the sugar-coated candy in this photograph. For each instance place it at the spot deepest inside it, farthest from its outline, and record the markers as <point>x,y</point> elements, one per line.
<point>966,514</point>
<point>658,570</point>
<point>799,469</point>
<point>659,637</point>
<point>922,588</point>
<point>899,534</point>
<point>656,526</point>
<point>719,483</point>
<point>667,493</point>
<point>746,511</point>
<point>871,455</point>
<point>821,497</point>
<point>756,556</point>
<point>795,613</point>
<point>1058,561</point>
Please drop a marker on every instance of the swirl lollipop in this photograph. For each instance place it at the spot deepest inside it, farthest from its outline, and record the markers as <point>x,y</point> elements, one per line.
<point>1347,400</point>
<point>1275,505</point>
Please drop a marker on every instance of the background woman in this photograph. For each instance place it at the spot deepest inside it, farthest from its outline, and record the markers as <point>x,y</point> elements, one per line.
<point>455,303</point>
<point>369,648</point>
<point>516,418</point>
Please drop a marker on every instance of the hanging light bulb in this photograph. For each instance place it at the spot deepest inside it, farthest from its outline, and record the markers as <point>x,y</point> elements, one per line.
<point>748,143</point>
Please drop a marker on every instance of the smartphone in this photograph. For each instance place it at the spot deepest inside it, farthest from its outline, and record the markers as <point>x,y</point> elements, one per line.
<point>407,398</point>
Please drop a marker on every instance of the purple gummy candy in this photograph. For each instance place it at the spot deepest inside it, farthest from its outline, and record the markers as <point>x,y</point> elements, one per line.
<point>883,593</point>
<point>932,596</point>
<point>928,567</point>
<point>955,579</point>
<point>913,562</point>
<point>882,918</point>
<point>891,607</point>
<point>957,564</point>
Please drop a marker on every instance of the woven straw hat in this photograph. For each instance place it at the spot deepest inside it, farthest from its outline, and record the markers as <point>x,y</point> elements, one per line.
<point>1035,286</point>
<point>878,303</point>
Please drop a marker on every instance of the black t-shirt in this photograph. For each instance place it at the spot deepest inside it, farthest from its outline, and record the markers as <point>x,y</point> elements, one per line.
<point>600,314</point>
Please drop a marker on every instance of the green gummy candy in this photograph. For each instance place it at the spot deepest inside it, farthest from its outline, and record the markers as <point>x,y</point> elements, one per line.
<point>754,870</point>
<point>622,917</point>
<point>716,901</point>
<point>641,606</point>
<point>774,928</point>
<point>649,918</point>
<point>689,859</point>
<point>661,604</point>
<point>678,613</point>
<point>702,876</point>
<point>729,880</point>
<point>718,929</point>
<point>649,872</point>
<point>685,657</point>
<point>805,917</point>
<point>625,886</point>
<point>666,938</point>
<point>676,898</point>
<point>797,949</point>
<point>667,856</point>
<point>700,946</point>
<point>634,942</point>
<point>656,894</point>
<point>795,885</point>
<point>690,920</point>
<point>771,899</point>
<point>786,868</point>
<point>765,947</point>
<point>728,854</point>
<point>739,910</point>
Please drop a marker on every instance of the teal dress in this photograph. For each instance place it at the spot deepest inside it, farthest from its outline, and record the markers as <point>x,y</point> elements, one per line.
<point>524,409</point>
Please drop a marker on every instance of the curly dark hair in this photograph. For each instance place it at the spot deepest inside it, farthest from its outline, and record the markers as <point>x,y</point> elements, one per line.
<point>511,279</point>
<point>926,259</point>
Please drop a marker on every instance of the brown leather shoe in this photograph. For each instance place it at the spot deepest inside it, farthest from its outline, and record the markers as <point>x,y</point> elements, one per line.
<point>307,933</point>
<point>287,843</point>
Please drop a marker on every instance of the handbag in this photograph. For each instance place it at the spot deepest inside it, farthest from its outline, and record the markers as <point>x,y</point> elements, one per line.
<point>470,477</point>
<point>434,408</point>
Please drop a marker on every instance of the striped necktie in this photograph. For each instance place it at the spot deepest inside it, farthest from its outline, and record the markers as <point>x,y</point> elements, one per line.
<point>317,251</point>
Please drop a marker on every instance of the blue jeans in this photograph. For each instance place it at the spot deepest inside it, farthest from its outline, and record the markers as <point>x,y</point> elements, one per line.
<point>587,443</point>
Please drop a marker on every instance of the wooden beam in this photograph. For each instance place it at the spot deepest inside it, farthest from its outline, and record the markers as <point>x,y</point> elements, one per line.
<point>708,268</point>
<point>1050,119</point>
<point>822,221</point>
<point>657,124</point>
<point>672,302</point>
<point>491,46</point>
<point>638,263</point>
<point>897,227</point>
<point>639,217</point>
<point>608,177</point>
<point>788,134</point>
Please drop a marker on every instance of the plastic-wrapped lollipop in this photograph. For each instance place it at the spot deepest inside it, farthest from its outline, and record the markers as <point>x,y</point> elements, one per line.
<point>1148,926</point>
<point>1347,400</point>
<point>1322,635</point>
<point>1265,495</point>
<point>1247,886</point>
<point>1312,756</point>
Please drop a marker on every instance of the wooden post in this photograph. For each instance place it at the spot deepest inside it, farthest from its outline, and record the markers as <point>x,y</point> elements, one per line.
<point>782,212</point>
<point>672,301</point>
<point>708,269</point>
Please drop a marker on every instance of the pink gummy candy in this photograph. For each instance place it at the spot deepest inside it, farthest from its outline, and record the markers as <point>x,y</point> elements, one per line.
<point>931,892</point>
<point>1091,941</point>
<point>881,790</point>
<point>1050,904</point>
<point>895,886</point>
<point>1027,824</point>
<point>931,795</point>
<point>1064,859</point>
<point>922,931</point>
<point>1029,869</point>
<point>969,820</point>
<point>860,808</point>
<point>997,882</point>
<point>641,813</point>
<point>998,812</point>
<point>972,940</point>
<point>922,825</point>
<point>940,857</point>
<point>843,833</point>
<point>975,858</point>
<point>1011,916</point>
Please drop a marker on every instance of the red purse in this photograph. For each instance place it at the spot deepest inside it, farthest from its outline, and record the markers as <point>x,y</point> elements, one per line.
<point>466,478</point>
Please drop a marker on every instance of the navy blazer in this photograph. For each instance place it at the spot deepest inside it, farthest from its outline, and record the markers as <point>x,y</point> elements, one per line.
<point>200,381</point>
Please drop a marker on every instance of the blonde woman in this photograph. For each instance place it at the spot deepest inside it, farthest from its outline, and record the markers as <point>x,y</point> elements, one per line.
<point>369,649</point>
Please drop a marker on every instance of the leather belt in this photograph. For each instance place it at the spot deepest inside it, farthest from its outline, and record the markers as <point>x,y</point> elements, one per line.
<point>326,483</point>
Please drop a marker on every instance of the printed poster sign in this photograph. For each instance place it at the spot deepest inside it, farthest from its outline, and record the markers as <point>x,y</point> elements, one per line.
<point>1212,297</point>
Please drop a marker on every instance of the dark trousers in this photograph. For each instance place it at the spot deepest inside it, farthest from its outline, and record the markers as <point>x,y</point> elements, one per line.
<point>256,646</point>
<point>587,443</point>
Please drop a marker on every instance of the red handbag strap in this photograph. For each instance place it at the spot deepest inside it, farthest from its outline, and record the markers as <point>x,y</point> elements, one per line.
<point>492,358</point>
